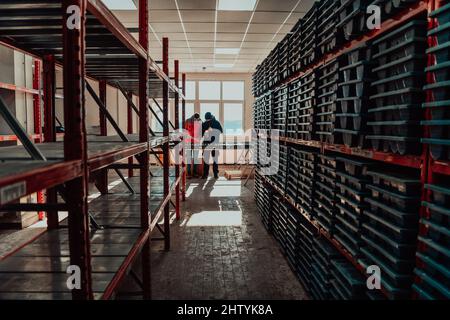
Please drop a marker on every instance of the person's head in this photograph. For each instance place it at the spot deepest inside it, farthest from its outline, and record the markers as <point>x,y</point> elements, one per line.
<point>196,116</point>
<point>208,116</point>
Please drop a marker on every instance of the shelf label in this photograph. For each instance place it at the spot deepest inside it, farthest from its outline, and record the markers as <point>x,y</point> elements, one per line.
<point>13,192</point>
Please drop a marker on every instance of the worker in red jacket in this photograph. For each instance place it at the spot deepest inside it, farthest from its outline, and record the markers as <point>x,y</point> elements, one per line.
<point>193,126</point>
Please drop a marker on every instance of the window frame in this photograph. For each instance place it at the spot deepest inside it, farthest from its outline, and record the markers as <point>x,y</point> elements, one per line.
<point>221,117</point>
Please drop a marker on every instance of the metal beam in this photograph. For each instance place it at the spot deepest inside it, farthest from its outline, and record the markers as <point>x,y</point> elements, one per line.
<point>49,92</point>
<point>20,132</point>
<point>166,145</point>
<point>183,118</point>
<point>127,184</point>
<point>101,177</point>
<point>105,111</point>
<point>129,97</point>
<point>143,137</point>
<point>160,109</point>
<point>177,127</point>
<point>75,145</point>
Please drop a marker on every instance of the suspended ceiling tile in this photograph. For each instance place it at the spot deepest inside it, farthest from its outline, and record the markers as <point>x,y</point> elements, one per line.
<point>201,36</point>
<point>198,15</point>
<point>164,16</point>
<point>229,37</point>
<point>232,27</point>
<point>199,27</point>
<point>228,44</point>
<point>234,16</point>
<point>196,4</point>
<point>162,4</point>
<point>273,5</point>
<point>167,27</point>
<point>201,44</point>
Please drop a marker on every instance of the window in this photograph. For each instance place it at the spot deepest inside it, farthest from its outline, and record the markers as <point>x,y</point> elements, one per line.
<point>224,99</point>
<point>190,110</point>
<point>214,108</point>
<point>233,118</point>
<point>209,90</point>
<point>190,90</point>
<point>233,90</point>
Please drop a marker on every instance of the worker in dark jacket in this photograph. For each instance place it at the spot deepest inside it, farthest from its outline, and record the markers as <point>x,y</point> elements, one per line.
<point>212,129</point>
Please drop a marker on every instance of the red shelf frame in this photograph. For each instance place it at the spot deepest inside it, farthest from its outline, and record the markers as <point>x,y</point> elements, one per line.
<point>406,161</point>
<point>74,170</point>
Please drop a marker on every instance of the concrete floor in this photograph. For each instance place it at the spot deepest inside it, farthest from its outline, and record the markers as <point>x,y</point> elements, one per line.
<point>221,250</point>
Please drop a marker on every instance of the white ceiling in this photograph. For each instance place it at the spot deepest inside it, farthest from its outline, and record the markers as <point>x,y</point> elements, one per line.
<point>195,28</point>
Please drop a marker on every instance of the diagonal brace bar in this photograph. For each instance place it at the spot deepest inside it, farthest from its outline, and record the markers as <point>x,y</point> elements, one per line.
<point>20,132</point>
<point>105,111</point>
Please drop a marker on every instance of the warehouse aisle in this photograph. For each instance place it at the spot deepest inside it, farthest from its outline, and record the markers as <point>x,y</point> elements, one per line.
<point>220,250</point>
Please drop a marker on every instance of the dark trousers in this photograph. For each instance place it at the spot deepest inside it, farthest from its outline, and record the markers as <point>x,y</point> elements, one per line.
<point>206,159</point>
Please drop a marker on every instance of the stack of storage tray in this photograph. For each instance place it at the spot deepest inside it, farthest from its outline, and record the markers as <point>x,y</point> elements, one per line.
<point>308,38</point>
<point>352,18</point>
<point>266,119</point>
<point>276,213</point>
<point>324,203</point>
<point>390,230</point>
<point>293,173</point>
<point>272,68</point>
<point>399,62</point>
<point>433,257</point>
<point>322,256</point>
<point>392,7</point>
<point>264,201</point>
<point>280,101</point>
<point>351,192</point>
<point>258,113</point>
<point>306,105</point>
<point>439,124</point>
<point>283,56</point>
<point>326,102</point>
<point>294,48</point>
<point>328,34</point>
<point>305,182</point>
<point>259,80</point>
<point>283,167</point>
<point>347,282</point>
<point>353,91</point>
<point>292,237</point>
<point>271,161</point>
<point>305,252</point>
<point>264,152</point>
<point>292,109</point>
<point>283,209</point>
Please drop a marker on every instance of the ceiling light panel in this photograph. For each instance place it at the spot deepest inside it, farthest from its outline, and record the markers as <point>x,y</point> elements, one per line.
<point>227,50</point>
<point>120,4</point>
<point>236,5</point>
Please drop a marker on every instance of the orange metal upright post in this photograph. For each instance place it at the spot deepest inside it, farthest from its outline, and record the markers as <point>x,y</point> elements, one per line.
<point>143,137</point>
<point>130,129</point>
<point>101,179</point>
<point>49,90</point>
<point>183,121</point>
<point>166,145</point>
<point>38,120</point>
<point>177,127</point>
<point>75,145</point>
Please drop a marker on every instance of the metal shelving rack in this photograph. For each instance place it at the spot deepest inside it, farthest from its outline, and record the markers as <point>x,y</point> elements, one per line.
<point>99,47</point>
<point>424,162</point>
